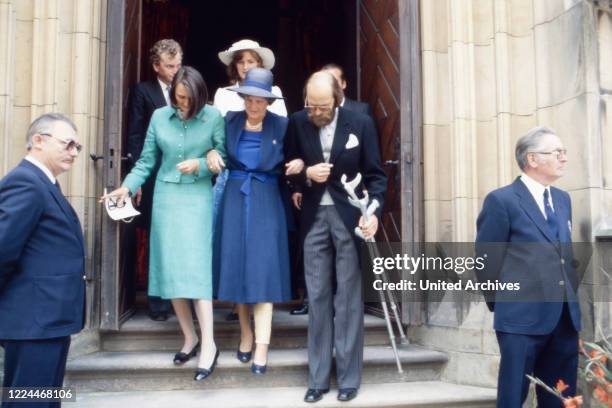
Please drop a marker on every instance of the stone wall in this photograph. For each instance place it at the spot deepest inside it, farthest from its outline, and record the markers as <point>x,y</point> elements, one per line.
<point>52,55</point>
<point>492,69</point>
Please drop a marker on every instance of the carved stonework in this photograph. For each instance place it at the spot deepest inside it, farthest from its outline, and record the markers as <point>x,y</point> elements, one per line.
<point>602,4</point>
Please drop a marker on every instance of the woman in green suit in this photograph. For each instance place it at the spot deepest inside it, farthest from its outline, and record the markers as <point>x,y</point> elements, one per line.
<point>178,139</point>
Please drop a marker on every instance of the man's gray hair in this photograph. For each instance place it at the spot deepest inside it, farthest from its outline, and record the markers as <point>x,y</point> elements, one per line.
<point>44,124</point>
<point>530,142</point>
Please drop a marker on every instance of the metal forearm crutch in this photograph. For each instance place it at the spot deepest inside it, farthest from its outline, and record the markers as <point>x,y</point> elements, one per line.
<point>366,212</point>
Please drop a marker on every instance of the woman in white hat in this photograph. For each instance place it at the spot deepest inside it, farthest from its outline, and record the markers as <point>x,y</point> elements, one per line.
<point>239,58</point>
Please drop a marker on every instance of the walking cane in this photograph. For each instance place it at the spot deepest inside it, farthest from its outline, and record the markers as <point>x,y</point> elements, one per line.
<point>366,212</point>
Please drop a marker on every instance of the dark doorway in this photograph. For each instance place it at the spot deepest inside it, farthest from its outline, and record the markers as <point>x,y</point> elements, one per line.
<point>377,42</point>
<point>304,35</point>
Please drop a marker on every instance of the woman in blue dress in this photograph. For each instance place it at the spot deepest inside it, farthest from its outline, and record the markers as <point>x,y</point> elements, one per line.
<point>251,255</point>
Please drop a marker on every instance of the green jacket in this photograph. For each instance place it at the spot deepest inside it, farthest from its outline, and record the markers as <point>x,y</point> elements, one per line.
<point>171,141</point>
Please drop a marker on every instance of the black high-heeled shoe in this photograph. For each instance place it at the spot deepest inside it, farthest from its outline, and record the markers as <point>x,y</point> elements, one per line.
<point>259,369</point>
<point>202,373</point>
<point>244,356</point>
<point>182,358</point>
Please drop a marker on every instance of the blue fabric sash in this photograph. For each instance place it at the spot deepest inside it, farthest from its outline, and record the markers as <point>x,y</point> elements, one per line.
<point>248,176</point>
<point>245,188</point>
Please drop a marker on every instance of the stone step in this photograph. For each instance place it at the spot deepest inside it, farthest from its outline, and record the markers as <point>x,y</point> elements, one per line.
<point>430,394</point>
<point>140,333</point>
<point>154,370</point>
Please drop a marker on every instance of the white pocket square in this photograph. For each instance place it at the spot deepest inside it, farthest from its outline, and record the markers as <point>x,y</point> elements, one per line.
<point>352,142</point>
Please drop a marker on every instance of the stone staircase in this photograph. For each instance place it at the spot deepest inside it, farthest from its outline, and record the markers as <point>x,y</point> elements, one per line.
<point>134,366</point>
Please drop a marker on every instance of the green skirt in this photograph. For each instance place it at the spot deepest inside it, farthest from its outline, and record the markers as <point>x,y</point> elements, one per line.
<point>180,259</point>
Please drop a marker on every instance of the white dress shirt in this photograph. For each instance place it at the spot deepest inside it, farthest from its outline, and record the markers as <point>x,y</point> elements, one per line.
<point>326,135</point>
<point>226,101</point>
<point>166,91</point>
<point>537,191</point>
<point>42,167</point>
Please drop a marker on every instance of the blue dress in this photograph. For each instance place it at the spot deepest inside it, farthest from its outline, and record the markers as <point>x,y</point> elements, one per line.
<point>251,255</point>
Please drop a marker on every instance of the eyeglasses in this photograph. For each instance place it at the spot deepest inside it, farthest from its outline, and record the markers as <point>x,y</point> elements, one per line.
<point>113,203</point>
<point>69,144</point>
<point>321,108</point>
<point>557,152</point>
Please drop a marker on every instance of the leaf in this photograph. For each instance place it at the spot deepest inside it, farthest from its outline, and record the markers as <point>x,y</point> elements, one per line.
<point>561,386</point>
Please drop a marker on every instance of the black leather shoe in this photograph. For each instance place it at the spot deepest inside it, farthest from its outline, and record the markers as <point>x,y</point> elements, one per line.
<point>314,394</point>
<point>244,357</point>
<point>182,358</point>
<point>158,316</point>
<point>302,310</point>
<point>258,369</point>
<point>347,394</point>
<point>202,373</point>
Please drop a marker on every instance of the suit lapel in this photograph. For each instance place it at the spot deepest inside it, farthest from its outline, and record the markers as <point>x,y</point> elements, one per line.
<point>157,94</point>
<point>233,132</point>
<point>61,201</point>
<point>532,209</point>
<point>267,136</point>
<point>312,138</point>
<point>68,211</point>
<point>562,215</point>
<point>340,136</point>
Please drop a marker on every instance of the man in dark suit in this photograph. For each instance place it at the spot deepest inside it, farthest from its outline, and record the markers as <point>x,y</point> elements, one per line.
<point>333,141</point>
<point>166,57</point>
<point>537,326</point>
<point>348,104</point>
<point>42,260</point>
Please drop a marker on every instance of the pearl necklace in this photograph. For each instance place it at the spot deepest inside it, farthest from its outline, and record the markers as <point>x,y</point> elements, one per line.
<point>253,128</point>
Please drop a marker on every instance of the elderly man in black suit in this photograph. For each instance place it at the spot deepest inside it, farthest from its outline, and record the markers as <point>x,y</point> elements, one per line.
<point>348,104</point>
<point>333,141</point>
<point>166,57</point>
<point>42,261</point>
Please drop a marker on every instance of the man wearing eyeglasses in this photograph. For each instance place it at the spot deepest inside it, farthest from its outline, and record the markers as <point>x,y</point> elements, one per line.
<point>348,104</point>
<point>536,326</point>
<point>42,260</point>
<point>333,141</point>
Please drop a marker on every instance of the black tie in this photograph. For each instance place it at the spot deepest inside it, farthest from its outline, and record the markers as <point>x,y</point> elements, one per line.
<point>551,217</point>
<point>57,185</point>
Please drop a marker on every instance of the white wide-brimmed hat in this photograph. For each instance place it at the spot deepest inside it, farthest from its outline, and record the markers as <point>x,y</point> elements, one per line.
<point>266,54</point>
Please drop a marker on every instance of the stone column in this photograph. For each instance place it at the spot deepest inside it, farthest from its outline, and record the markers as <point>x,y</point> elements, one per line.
<point>53,54</point>
<point>492,70</point>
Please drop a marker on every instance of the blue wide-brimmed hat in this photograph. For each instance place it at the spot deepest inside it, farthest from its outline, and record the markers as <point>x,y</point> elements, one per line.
<point>257,82</point>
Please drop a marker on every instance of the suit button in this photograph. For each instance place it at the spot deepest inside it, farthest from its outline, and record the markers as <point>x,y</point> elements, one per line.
<point>561,283</point>
<point>562,261</point>
<point>84,277</point>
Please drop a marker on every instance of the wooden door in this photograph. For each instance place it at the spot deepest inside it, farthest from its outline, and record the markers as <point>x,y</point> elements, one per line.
<point>122,70</point>
<point>380,87</point>
<point>389,74</point>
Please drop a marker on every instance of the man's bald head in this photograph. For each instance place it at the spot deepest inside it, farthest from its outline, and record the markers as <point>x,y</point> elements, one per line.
<point>322,85</point>
<point>322,96</point>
